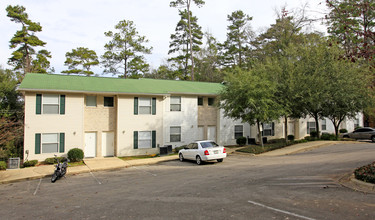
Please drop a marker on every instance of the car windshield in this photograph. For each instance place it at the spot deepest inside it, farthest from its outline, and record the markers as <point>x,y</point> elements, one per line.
<point>208,144</point>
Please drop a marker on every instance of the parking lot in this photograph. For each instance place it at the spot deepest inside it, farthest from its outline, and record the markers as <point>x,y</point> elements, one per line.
<point>299,186</point>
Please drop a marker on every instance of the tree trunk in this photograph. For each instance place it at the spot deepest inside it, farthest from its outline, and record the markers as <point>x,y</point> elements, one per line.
<point>286,128</point>
<point>317,125</point>
<point>260,134</point>
<point>191,42</point>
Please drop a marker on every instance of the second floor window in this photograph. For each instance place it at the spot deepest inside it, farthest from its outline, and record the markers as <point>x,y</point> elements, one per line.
<point>108,102</point>
<point>50,104</point>
<point>91,101</point>
<point>144,106</point>
<point>175,103</point>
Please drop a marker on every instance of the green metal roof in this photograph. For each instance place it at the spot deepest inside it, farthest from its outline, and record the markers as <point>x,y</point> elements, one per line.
<point>70,83</point>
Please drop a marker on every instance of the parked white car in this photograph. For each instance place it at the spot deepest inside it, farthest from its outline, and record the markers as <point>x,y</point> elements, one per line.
<point>201,151</point>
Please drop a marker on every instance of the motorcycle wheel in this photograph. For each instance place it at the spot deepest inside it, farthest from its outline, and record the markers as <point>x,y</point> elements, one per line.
<point>54,178</point>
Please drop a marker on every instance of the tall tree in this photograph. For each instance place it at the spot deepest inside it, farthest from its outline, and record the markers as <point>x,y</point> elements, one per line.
<point>182,45</point>
<point>208,64</point>
<point>186,4</point>
<point>83,57</point>
<point>124,51</point>
<point>351,23</point>
<point>273,45</point>
<point>249,95</point>
<point>25,41</point>
<point>238,40</point>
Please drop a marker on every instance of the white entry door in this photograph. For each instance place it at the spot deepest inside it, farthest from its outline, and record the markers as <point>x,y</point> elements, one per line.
<point>90,144</point>
<point>211,133</point>
<point>200,133</point>
<point>108,147</point>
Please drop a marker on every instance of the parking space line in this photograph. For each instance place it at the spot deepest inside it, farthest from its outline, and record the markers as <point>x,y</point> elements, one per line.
<point>95,178</point>
<point>279,210</point>
<point>37,187</point>
<point>144,171</point>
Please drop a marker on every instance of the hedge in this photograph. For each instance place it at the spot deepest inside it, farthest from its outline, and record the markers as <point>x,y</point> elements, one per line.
<point>75,155</point>
<point>3,165</point>
<point>30,163</point>
<point>366,173</point>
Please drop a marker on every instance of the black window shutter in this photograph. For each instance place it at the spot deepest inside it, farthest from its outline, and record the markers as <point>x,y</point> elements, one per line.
<point>62,104</point>
<point>154,106</point>
<point>135,139</point>
<point>136,105</point>
<point>37,143</point>
<point>153,139</point>
<point>38,104</point>
<point>62,143</point>
<point>273,128</point>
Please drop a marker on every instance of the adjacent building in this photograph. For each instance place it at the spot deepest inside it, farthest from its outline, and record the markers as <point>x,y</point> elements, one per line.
<point>126,117</point>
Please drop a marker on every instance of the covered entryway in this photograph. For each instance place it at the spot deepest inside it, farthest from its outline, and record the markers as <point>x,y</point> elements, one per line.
<point>90,144</point>
<point>108,147</point>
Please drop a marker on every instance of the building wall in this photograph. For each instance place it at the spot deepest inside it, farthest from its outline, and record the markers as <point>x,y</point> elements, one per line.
<point>100,119</point>
<point>207,116</point>
<point>187,119</point>
<point>128,122</point>
<point>71,123</point>
<point>226,129</point>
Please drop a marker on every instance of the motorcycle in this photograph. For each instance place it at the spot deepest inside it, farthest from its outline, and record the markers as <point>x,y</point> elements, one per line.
<point>60,169</point>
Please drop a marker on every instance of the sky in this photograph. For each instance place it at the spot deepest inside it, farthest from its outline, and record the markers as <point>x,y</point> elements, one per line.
<point>68,24</point>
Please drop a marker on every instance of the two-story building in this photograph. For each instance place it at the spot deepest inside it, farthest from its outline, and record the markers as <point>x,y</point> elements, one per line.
<point>125,117</point>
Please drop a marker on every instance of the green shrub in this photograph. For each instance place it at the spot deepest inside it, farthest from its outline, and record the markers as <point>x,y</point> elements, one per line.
<point>326,136</point>
<point>30,163</point>
<point>177,149</point>
<point>52,160</point>
<point>241,141</point>
<point>314,134</point>
<point>276,141</point>
<point>366,173</point>
<point>310,138</point>
<point>343,130</point>
<point>291,137</point>
<point>75,155</point>
<point>3,165</point>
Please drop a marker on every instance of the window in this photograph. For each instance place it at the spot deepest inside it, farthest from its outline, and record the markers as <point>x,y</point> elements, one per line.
<point>238,131</point>
<point>324,124</point>
<point>144,139</point>
<point>108,101</point>
<point>49,143</point>
<point>311,127</point>
<point>268,129</point>
<point>211,101</point>
<point>200,101</point>
<point>175,134</point>
<point>175,103</point>
<point>144,106</point>
<point>91,101</point>
<point>50,104</point>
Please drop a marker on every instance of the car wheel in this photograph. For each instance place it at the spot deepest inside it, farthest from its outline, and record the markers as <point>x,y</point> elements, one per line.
<point>181,157</point>
<point>220,160</point>
<point>373,138</point>
<point>199,160</point>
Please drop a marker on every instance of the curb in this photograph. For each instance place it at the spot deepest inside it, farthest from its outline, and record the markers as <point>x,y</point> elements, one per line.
<point>349,181</point>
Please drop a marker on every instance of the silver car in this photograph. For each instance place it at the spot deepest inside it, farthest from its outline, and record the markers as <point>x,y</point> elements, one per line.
<point>366,133</point>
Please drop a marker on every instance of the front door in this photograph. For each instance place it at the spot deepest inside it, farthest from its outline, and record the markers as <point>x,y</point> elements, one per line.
<point>108,147</point>
<point>211,133</point>
<point>90,144</point>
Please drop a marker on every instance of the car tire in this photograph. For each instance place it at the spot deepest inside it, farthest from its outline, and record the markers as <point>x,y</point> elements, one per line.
<point>199,160</point>
<point>373,139</point>
<point>220,160</point>
<point>181,157</point>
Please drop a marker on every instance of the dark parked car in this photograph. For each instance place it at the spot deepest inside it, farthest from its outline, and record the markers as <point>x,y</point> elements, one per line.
<point>361,133</point>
